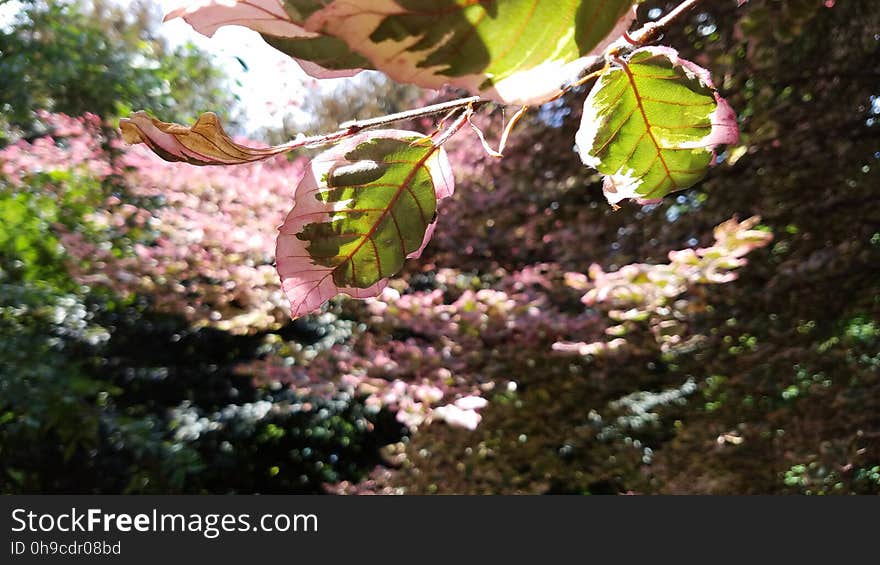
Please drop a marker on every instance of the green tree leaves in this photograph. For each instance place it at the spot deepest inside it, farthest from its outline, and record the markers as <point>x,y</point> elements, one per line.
<point>361,210</point>
<point>651,125</point>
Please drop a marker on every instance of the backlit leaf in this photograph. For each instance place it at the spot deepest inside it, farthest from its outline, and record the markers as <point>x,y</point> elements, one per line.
<point>362,209</point>
<point>281,26</point>
<point>651,125</point>
<point>264,16</point>
<point>514,51</point>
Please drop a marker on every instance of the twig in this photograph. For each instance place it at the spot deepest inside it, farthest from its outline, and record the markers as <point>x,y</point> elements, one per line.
<point>651,30</point>
<point>350,128</point>
<point>638,38</point>
<point>359,125</point>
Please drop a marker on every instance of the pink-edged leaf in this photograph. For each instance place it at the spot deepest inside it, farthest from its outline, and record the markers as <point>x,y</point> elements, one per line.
<point>315,70</point>
<point>318,55</point>
<point>361,210</point>
<point>651,125</point>
<point>512,51</point>
<point>264,16</point>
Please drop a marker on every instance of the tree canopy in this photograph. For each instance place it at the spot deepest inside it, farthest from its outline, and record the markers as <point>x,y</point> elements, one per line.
<point>100,57</point>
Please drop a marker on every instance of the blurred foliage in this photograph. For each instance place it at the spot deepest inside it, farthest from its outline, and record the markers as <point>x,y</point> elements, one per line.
<point>781,393</point>
<point>99,393</point>
<point>102,57</point>
<point>88,404</point>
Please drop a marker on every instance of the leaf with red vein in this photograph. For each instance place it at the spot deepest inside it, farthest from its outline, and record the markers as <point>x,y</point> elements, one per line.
<point>512,51</point>
<point>362,209</point>
<point>651,125</point>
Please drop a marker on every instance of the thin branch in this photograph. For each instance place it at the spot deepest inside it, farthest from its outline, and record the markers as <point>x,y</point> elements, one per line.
<point>350,128</point>
<point>652,30</point>
<point>412,114</point>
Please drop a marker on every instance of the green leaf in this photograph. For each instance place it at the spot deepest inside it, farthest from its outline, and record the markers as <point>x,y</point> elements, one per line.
<point>513,51</point>
<point>331,56</point>
<point>362,209</point>
<point>651,125</point>
<point>516,51</point>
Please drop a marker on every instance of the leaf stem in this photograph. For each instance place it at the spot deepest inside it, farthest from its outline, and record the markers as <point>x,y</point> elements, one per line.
<point>638,38</point>
<point>412,114</point>
<point>350,128</point>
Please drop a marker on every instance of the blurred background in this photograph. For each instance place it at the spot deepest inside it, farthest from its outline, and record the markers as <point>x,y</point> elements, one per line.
<point>543,343</point>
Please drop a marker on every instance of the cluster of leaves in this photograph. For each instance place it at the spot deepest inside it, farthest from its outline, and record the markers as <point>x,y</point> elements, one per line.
<point>454,339</point>
<point>166,241</point>
<point>95,384</point>
<point>190,238</point>
<point>197,245</point>
<point>652,123</point>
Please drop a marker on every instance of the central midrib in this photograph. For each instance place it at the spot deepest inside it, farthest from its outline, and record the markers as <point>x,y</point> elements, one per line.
<point>369,235</point>
<point>632,81</point>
